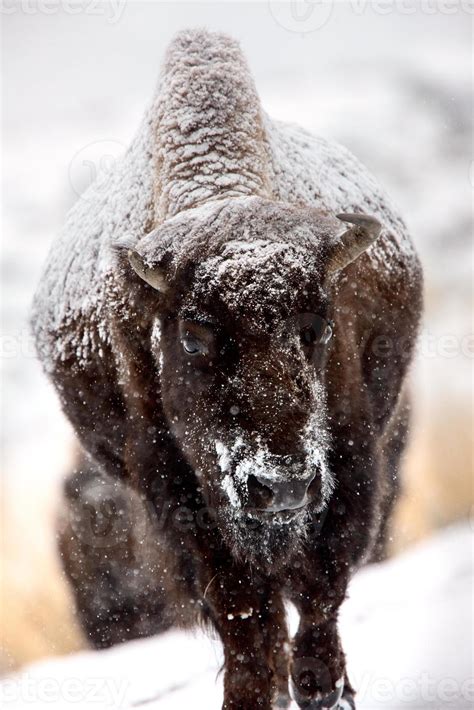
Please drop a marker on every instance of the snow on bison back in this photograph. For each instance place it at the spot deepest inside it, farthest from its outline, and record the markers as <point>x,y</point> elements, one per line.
<point>228,320</point>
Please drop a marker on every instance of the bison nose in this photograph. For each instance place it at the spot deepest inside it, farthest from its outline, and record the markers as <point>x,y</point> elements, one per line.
<point>276,495</point>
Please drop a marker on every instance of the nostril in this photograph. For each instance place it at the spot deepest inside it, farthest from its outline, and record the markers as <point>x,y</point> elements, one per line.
<point>314,487</point>
<point>310,480</point>
<point>290,493</point>
<point>260,495</point>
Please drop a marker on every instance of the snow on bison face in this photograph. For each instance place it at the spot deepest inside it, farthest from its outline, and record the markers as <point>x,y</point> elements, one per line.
<point>241,336</point>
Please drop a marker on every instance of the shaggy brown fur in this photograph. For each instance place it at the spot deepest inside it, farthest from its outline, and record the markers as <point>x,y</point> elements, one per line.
<point>235,456</point>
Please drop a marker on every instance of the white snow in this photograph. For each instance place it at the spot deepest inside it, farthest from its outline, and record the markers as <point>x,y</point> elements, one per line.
<point>242,615</point>
<point>407,637</point>
<point>229,488</point>
<point>155,340</point>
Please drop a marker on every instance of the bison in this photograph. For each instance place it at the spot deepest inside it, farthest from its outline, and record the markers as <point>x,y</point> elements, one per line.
<point>228,318</point>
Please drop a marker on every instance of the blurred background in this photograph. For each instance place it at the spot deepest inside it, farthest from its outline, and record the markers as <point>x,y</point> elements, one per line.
<point>391,81</point>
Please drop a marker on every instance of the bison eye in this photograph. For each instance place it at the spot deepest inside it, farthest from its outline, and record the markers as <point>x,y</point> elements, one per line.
<point>318,333</point>
<point>193,346</point>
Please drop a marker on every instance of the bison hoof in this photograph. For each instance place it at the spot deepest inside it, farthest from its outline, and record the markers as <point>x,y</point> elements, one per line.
<point>331,701</point>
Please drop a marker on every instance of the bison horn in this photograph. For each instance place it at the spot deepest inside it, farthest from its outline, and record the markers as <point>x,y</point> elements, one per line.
<point>153,276</point>
<point>354,241</point>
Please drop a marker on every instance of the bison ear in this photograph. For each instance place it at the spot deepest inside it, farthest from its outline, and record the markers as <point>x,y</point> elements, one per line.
<point>154,276</point>
<point>354,241</point>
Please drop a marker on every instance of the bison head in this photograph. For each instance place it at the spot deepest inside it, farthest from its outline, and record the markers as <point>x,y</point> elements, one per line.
<point>242,331</point>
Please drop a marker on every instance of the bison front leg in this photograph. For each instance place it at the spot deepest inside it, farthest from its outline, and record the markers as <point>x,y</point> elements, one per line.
<point>318,666</point>
<point>248,677</point>
<point>318,672</point>
<point>277,644</point>
<point>236,611</point>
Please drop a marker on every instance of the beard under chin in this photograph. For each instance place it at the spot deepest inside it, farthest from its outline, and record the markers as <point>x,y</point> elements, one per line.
<point>266,543</point>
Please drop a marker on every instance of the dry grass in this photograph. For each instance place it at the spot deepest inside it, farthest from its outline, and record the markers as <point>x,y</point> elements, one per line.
<point>438,482</point>
<point>36,618</point>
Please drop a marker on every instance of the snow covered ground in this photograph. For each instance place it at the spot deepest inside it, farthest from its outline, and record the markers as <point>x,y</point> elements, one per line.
<point>407,636</point>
